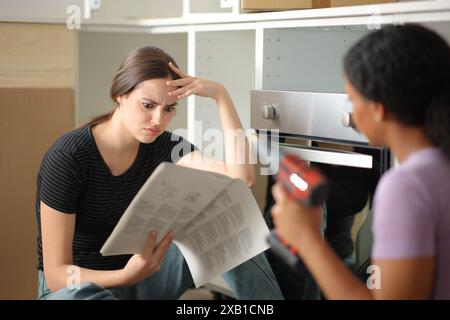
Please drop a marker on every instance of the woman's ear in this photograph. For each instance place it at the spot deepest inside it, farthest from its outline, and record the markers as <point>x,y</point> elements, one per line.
<point>380,112</point>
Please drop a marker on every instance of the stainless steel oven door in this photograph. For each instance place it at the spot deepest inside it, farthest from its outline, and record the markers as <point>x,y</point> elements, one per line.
<point>268,150</point>
<point>353,171</point>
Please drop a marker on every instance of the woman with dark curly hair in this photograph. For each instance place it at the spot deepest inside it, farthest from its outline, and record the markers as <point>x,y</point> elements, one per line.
<point>398,79</point>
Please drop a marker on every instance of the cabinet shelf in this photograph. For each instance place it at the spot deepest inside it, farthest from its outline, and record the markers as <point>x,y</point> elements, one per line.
<point>418,11</point>
<point>402,12</point>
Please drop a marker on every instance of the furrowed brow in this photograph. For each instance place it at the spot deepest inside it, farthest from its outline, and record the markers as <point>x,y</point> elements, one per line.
<point>157,103</point>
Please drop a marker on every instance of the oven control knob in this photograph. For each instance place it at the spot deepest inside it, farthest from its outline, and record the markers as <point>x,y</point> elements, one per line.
<point>347,120</point>
<point>269,112</point>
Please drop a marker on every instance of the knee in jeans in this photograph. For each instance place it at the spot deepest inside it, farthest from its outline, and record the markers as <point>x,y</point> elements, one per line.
<point>84,290</point>
<point>89,286</point>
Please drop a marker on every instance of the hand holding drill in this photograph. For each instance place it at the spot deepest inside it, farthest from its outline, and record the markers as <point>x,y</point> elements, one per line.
<point>307,186</point>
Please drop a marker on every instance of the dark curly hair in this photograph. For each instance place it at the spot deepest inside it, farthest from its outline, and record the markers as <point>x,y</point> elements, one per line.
<point>407,69</point>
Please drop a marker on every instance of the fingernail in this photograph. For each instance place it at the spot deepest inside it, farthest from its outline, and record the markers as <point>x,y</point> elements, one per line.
<point>153,233</point>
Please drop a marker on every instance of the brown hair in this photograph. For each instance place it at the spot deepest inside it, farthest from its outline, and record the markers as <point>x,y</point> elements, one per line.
<point>140,65</point>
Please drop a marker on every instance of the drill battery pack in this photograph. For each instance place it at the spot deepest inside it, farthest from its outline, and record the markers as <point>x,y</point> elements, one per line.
<point>303,183</point>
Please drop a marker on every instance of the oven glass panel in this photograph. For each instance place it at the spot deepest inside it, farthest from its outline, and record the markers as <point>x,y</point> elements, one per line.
<point>348,208</point>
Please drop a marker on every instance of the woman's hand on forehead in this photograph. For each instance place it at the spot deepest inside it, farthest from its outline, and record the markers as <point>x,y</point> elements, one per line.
<point>188,85</point>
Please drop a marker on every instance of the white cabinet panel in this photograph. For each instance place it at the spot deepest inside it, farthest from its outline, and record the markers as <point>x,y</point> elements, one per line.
<point>226,57</point>
<point>307,59</point>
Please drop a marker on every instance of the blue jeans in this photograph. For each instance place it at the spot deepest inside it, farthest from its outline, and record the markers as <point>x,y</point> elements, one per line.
<point>253,279</point>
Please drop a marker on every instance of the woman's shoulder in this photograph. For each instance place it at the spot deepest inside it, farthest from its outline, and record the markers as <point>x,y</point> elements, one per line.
<point>170,136</point>
<point>418,184</point>
<point>172,146</point>
<point>169,140</point>
<point>428,169</point>
<point>428,166</point>
<point>70,143</point>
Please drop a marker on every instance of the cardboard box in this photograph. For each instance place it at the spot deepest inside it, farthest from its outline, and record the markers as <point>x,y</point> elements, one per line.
<point>275,5</point>
<point>30,122</point>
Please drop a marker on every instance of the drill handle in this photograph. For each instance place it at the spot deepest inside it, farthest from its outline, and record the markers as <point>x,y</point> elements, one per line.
<point>286,253</point>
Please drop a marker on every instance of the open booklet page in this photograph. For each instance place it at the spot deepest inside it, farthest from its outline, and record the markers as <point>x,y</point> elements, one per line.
<point>171,197</point>
<point>216,222</point>
<point>229,231</point>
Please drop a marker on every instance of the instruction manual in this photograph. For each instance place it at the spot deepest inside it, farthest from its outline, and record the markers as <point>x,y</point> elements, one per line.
<point>216,221</point>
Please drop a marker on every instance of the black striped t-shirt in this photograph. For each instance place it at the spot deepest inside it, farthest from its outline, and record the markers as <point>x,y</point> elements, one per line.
<point>74,179</point>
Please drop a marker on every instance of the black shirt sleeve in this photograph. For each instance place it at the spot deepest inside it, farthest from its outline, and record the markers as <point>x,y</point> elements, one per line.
<point>60,181</point>
<point>174,147</point>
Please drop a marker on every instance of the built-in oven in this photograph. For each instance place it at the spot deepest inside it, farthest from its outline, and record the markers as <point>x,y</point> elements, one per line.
<point>318,127</point>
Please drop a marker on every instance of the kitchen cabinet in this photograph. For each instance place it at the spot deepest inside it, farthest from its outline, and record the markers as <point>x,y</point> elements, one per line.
<point>288,50</point>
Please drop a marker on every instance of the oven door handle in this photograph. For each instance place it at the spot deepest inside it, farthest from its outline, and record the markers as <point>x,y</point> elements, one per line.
<point>327,156</point>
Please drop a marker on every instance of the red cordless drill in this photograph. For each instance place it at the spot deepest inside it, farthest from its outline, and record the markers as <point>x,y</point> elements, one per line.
<point>306,185</point>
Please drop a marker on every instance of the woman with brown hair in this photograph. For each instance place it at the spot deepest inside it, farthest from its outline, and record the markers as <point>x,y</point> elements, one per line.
<point>90,175</point>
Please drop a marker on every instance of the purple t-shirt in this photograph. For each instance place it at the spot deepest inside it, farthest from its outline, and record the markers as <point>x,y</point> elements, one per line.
<point>412,214</point>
